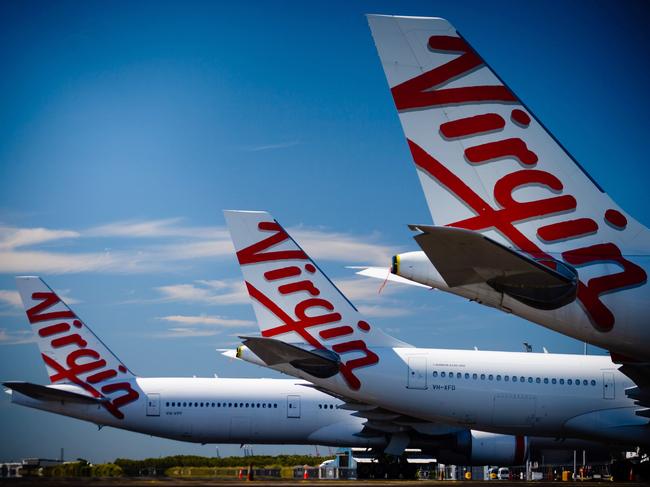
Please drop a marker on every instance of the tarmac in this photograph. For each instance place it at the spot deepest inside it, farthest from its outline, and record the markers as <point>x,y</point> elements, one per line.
<point>167,482</point>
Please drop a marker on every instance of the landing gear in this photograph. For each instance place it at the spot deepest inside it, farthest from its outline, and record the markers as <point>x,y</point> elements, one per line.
<point>387,467</point>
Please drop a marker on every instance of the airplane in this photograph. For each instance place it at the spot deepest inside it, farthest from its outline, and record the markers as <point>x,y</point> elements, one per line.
<point>310,330</point>
<point>519,224</point>
<point>90,383</point>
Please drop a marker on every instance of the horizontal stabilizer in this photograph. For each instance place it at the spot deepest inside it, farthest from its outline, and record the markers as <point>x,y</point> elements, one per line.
<point>45,393</point>
<point>386,275</point>
<point>320,363</point>
<point>464,257</point>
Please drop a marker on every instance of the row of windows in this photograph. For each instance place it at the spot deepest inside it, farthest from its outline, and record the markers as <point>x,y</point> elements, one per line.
<point>514,378</point>
<point>326,406</point>
<point>184,404</point>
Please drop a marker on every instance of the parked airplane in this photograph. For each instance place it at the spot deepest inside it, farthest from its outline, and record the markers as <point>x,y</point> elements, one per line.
<point>311,330</point>
<point>522,227</point>
<point>90,383</point>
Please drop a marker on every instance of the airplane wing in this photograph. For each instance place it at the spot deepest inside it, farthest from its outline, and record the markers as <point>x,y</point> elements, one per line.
<point>639,372</point>
<point>381,421</point>
<point>44,393</point>
<point>463,257</point>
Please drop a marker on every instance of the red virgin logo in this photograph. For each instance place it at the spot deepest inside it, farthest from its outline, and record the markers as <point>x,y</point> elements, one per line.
<point>311,311</point>
<point>424,91</point>
<point>83,365</point>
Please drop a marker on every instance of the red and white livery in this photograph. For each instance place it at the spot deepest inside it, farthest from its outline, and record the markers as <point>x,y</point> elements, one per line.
<point>552,246</point>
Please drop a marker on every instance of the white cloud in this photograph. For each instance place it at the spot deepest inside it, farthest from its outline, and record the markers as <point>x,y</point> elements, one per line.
<point>376,311</point>
<point>267,147</point>
<point>200,326</point>
<point>219,321</point>
<point>169,227</point>
<point>37,262</point>
<point>187,333</point>
<point>12,237</point>
<point>176,244</point>
<point>8,337</point>
<point>206,292</point>
<point>342,247</point>
<point>11,298</point>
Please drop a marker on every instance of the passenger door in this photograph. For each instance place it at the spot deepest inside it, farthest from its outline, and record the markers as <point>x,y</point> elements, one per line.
<point>293,406</point>
<point>417,372</point>
<point>609,388</point>
<point>153,404</point>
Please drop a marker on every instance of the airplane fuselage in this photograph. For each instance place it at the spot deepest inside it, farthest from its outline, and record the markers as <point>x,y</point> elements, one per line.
<point>550,395</point>
<point>215,410</point>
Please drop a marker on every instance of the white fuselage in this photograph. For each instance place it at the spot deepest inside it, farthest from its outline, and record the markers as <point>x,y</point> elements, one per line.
<point>550,395</point>
<point>629,335</point>
<point>215,410</point>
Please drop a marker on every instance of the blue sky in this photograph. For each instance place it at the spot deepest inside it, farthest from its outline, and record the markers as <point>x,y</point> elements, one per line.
<point>126,128</point>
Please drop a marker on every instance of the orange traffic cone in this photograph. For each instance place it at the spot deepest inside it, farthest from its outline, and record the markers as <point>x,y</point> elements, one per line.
<point>305,475</point>
<point>241,473</point>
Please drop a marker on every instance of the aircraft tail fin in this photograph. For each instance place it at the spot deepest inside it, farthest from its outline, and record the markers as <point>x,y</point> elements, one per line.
<point>484,161</point>
<point>72,353</point>
<point>294,301</point>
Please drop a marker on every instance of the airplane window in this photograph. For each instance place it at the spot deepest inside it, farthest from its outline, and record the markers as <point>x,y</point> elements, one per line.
<point>545,380</point>
<point>474,376</point>
<point>482,376</point>
<point>229,404</point>
<point>442,374</point>
<point>212,404</point>
<point>514,378</point>
<point>554,381</point>
<point>490,377</point>
<point>530,379</point>
<point>201,404</point>
<point>196,404</point>
<point>331,406</point>
<point>258,405</point>
<point>184,404</point>
<point>459,375</point>
<point>320,406</point>
<point>538,380</point>
<point>522,379</point>
<point>235,404</point>
<point>275,406</point>
<point>246,404</point>
<point>467,376</point>
<point>173,404</point>
<point>263,405</point>
<point>435,373</point>
<point>569,381</point>
<point>451,375</point>
<point>577,382</point>
<point>561,381</point>
<point>167,404</point>
<point>585,382</point>
<point>593,382</point>
<point>506,378</point>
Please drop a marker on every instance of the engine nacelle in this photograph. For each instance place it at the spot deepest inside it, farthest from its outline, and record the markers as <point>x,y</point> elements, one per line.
<point>481,448</point>
<point>417,267</point>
